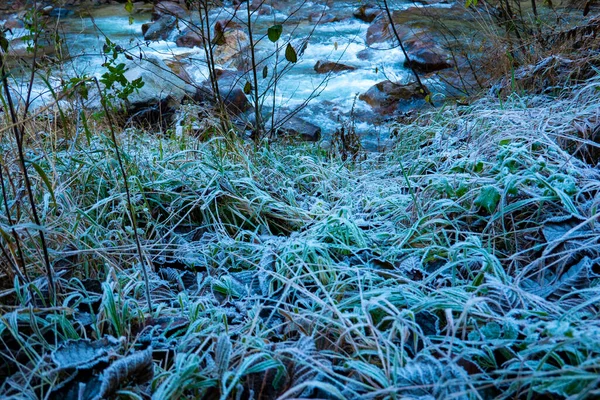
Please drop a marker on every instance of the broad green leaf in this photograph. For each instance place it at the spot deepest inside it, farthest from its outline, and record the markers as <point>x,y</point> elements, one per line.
<point>129,6</point>
<point>290,54</point>
<point>492,330</point>
<point>274,33</point>
<point>247,87</point>
<point>488,198</point>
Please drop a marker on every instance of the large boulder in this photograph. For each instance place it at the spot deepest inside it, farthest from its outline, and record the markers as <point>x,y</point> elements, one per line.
<point>231,50</point>
<point>367,12</point>
<point>415,21</point>
<point>170,8</point>
<point>235,100</point>
<point>380,31</point>
<point>230,90</point>
<point>18,48</point>
<point>221,27</point>
<point>323,67</point>
<point>12,23</point>
<point>261,7</point>
<point>365,54</point>
<point>178,67</point>
<point>426,56</point>
<point>163,90</point>
<point>387,97</point>
<point>189,38</point>
<point>299,128</point>
<point>160,29</point>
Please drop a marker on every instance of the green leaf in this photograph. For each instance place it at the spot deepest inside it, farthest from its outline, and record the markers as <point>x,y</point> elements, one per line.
<point>262,367</point>
<point>44,177</point>
<point>290,54</point>
<point>478,167</point>
<point>86,128</point>
<point>274,33</point>
<point>247,87</point>
<point>492,330</point>
<point>265,72</point>
<point>488,198</point>
<point>3,42</point>
<point>129,6</point>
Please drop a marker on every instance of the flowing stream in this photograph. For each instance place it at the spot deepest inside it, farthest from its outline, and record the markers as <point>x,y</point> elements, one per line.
<point>341,41</point>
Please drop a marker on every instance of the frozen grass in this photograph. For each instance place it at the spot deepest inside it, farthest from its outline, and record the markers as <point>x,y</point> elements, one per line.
<point>462,264</point>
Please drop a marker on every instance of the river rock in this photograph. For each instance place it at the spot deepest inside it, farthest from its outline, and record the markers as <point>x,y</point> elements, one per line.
<point>13,23</point>
<point>426,57</point>
<point>161,86</point>
<point>235,100</point>
<point>365,54</point>
<point>169,8</point>
<point>380,31</point>
<point>221,27</point>
<point>189,38</point>
<point>178,67</point>
<point>55,12</point>
<point>322,18</point>
<point>367,12</point>
<point>59,12</point>
<point>159,29</point>
<point>19,49</point>
<point>261,7</point>
<point>323,67</point>
<point>416,21</point>
<point>230,90</point>
<point>9,6</point>
<point>231,51</point>
<point>300,128</point>
<point>266,10</point>
<point>386,96</point>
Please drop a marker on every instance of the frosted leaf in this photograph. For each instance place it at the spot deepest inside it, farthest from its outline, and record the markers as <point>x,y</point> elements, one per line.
<point>136,368</point>
<point>84,353</point>
<point>267,263</point>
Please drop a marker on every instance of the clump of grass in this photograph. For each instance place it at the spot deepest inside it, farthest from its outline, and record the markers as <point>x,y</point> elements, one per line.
<point>461,264</point>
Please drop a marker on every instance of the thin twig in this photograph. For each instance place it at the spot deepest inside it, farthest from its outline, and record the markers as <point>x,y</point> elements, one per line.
<point>127,194</point>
